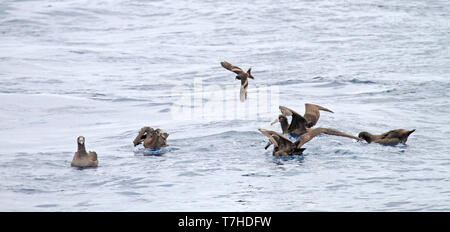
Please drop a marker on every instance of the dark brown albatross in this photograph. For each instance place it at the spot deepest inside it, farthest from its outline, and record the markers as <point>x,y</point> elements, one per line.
<point>299,123</point>
<point>283,146</point>
<point>82,158</point>
<point>392,137</point>
<point>241,75</point>
<point>151,138</point>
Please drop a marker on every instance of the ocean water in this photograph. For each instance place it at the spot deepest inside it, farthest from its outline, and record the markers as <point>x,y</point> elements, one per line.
<point>104,69</point>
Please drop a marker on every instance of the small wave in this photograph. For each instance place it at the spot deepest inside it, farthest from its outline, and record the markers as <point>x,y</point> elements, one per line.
<point>323,82</point>
<point>85,168</point>
<point>256,175</point>
<point>227,134</point>
<point>330,84</point>
<point>22,22</point>
<point>342,152</point>
<point>151,151</point>
<point>129,193</point>
<point>396,203</point>
<point>318,78</point>
<point>357,81</point>
<point>47,205</point>
<point>190,174</point>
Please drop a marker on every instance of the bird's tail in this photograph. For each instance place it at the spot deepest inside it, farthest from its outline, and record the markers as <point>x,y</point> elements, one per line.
<point>411,131</point>
<point>249,72</point>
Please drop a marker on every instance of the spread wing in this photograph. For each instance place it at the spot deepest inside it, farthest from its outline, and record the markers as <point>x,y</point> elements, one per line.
<point>312,113</point>
<point>230,67</point>
<point>271,134</point>
<point>313,108</point>
<point>316,131</point>
<point>298,123</point>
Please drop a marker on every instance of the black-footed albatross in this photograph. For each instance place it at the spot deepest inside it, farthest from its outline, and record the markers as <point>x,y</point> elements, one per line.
<point>283,146</point>
<point>82,158</point>
<point>392,137</point>
<point>151,138</point>
<point>241,75</point>
<point>299,123</point>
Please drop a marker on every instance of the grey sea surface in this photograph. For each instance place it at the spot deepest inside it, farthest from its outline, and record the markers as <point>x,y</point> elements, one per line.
<point>104,69</point>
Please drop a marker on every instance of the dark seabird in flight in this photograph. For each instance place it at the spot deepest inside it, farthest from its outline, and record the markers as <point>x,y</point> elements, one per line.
<point>241,75</point>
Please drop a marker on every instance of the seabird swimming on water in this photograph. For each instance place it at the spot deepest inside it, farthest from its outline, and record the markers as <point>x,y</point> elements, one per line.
<point>241,75</point>
<point>299,123</point>
<point>151,138</point>
<point>82,158</point>
<point>392,137</point>
<point>283,146</point>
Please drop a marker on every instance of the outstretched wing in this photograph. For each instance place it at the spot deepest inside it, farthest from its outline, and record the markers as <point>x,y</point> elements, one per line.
<point>230,67</point>
<point>271,134</point>
<point>286,111</point>
<point>312,113</point>
<point>314,132</point>
<point>298,123</point>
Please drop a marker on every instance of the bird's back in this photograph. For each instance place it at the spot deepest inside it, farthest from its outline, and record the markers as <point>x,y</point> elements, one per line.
<point>85,160</point>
